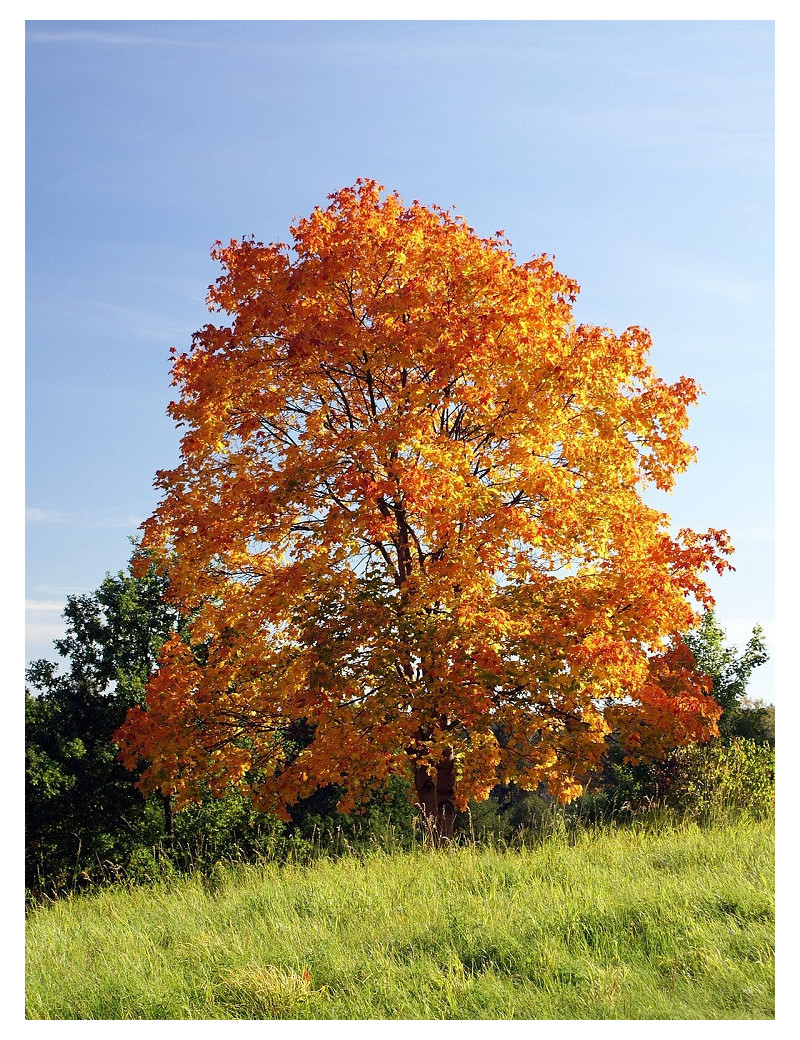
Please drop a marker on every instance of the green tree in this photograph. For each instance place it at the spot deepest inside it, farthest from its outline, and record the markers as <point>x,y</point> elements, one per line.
<point>648,780</point>
<point>81,805</point>
<point>730,674</point>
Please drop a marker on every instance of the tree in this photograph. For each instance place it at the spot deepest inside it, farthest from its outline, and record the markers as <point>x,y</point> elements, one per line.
<point>730,673</point>
<point>81,805</point>
<point>408,520</point>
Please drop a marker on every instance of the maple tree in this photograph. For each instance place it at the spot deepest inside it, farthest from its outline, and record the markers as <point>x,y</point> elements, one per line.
<point>409,517</point>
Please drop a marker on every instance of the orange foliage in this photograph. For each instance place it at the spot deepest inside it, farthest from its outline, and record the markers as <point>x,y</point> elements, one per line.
<point>409,511</point>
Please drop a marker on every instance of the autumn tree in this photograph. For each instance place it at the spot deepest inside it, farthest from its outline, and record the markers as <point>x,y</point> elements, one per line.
<point>408,521</point>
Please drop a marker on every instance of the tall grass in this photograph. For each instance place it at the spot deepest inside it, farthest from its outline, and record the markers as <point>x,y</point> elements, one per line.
<point>674,922</point>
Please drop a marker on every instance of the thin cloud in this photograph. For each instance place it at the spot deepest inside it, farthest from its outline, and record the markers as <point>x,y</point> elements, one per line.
<point>753,534</point>
<point>43,625</point>
<point>38,633</point>
<point>46,516</point>
<point>111,38</point>
<point>144,325</point>
<point>44,605</point>
<point>52,516</point>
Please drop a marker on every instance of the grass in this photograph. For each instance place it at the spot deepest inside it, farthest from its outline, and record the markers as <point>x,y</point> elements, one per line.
<point>621,923</point>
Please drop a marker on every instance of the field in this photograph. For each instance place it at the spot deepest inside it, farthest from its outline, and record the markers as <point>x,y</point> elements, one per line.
<point>675,922</point>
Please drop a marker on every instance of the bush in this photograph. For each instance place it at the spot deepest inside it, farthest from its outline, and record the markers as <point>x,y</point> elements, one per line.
<point>227,828</point>
<point>752,719</point>
<point>146,867</point>
<point>723,776</point>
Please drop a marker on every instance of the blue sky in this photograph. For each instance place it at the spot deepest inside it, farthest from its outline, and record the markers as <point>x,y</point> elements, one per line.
<point>638,154</point>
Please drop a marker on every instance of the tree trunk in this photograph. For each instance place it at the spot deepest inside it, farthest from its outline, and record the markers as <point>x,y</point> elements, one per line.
<point>168,828</point>
<point>436,797</point>
<point>426,795</point>
<point>446,795</point>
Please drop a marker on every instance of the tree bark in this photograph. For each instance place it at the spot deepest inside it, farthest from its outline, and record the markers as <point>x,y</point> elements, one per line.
<point>426,797</point>
<point>446,795</point>
<point>168,827</point>
<point>436,797</point>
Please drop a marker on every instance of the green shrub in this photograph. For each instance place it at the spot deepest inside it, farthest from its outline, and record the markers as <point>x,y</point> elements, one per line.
<point>147,867</point>
<point>226,828</point>
<point>724,776</point>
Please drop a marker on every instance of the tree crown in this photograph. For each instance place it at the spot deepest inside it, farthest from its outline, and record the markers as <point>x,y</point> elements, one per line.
<point>409,513</point>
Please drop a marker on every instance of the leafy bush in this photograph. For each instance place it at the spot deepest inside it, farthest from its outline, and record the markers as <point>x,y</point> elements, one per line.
<point>147,867</point>
<point>226,828</point>
<point>724,776</point>
<point>754,720</point>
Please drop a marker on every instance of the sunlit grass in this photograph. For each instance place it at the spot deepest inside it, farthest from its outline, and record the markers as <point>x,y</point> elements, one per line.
<point>620,924</point>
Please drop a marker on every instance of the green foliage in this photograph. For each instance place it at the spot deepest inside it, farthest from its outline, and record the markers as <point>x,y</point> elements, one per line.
<point>82,809</point>
<point>729,671</point>
<point>225,829</point>
<point>87,824</point>
<point>724,777</point>
<point>753,720</point>
<point>146,867</point>
<point>389,809</point>
<point>633,787</point>
<point>511,814</point>
<point>114,635</point>
<point>629,787</point>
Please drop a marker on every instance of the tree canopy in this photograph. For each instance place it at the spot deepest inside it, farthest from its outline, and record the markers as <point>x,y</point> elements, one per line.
<point>409,517</point>
<point>730,673</point>
<point>80,803</point>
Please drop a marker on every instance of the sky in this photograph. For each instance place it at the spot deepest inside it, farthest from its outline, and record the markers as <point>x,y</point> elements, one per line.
<point>639,154</point>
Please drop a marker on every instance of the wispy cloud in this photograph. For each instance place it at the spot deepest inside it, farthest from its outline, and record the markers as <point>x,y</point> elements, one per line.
<point>40,635</point>
<point>145,324</point>
<point>752,534</point>
<point>136,323</point>
<point>45,516</point>
<point>333,46</point>
<point>53,516</point>
<point>44,605</point>
<point>686,274</point>
<point>112,39</point>
<point>43,625</point>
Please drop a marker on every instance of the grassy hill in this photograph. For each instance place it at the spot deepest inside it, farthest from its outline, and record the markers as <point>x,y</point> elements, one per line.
<point>669,923</point>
